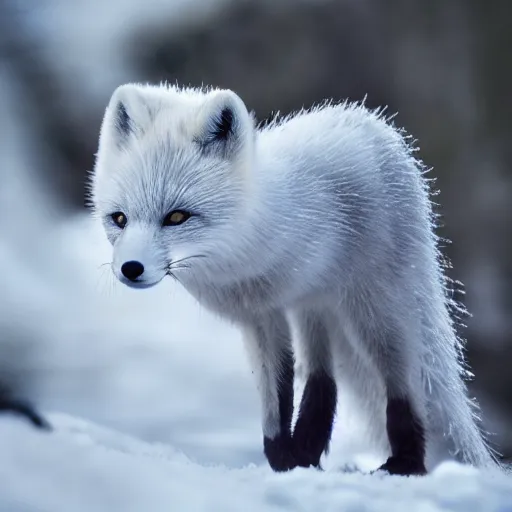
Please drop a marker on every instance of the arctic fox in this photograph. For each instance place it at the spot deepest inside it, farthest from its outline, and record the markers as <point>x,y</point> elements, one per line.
<point>322,221</point>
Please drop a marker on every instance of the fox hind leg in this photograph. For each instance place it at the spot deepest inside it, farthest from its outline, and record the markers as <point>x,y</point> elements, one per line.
<point>405,425</point>
<point>406,437</point>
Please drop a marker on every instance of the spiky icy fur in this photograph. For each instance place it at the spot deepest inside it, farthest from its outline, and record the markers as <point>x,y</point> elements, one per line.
<point>322,218</point>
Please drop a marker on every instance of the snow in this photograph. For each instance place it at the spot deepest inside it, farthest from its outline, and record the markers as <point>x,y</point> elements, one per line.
<point>82,467</point>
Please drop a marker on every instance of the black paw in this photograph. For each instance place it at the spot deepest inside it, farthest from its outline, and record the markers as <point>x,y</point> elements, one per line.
<point>279,453</point>
<point>309,444</point>
<point>24,409</point>
<point>404,466</point>
<point>307,456</point>
<point>313,429</point>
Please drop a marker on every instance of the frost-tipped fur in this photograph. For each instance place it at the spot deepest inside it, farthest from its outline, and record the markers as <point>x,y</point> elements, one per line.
<point>323,219</point>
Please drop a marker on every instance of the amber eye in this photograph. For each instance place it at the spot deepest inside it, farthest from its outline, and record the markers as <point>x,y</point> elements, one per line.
<point>119,219</point>
<point>176,217</point>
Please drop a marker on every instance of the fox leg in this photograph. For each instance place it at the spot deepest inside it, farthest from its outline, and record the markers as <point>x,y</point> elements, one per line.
<point>406,437</point>
<point>394,356</point>
<point>268,342</point>
<point>312,433</point>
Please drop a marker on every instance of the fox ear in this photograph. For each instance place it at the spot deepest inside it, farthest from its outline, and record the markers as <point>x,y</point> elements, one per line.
<point>221,126</point>
<point>226,124</point>
<point>127,113</point>
<point>122,121</point>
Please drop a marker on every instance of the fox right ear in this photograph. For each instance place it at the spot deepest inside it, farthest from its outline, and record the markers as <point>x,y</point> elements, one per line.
<point>122,121</point>
<point>127,113</point>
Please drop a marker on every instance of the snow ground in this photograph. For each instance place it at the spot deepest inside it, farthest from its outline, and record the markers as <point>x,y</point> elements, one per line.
<point>82,467</point>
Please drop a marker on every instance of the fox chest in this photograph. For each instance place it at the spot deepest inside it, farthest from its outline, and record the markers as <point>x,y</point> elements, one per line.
<point>242,299</point>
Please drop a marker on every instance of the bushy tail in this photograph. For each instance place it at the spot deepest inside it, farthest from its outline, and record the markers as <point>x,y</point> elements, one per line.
<point>453,417</point>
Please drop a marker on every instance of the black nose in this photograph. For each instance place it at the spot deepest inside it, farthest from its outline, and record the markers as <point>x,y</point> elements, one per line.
<point>132,270</point>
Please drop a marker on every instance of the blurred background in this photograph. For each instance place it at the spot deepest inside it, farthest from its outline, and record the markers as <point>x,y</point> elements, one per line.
<point>443,65</point>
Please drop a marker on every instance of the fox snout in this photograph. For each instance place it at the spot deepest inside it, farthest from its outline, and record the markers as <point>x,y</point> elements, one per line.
<point>135,275</point>
<point>132,270</point>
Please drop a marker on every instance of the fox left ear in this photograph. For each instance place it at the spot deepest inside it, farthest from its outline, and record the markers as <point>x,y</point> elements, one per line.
<point>227,124</point>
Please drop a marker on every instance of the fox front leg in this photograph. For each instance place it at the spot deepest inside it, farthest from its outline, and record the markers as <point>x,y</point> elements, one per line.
<point>268,342</point>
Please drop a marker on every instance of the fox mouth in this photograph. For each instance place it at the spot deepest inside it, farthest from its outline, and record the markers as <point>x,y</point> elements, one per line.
<point>138,284</point>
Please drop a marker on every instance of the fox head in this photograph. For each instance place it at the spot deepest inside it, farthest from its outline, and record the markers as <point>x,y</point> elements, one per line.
<point>170,182</point>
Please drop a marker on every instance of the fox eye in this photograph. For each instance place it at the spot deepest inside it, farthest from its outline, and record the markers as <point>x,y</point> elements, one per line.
<point>119,219</point>
<point>176,218</point>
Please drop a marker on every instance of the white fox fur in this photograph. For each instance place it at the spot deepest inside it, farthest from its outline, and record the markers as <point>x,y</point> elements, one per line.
<point>322,218</point>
